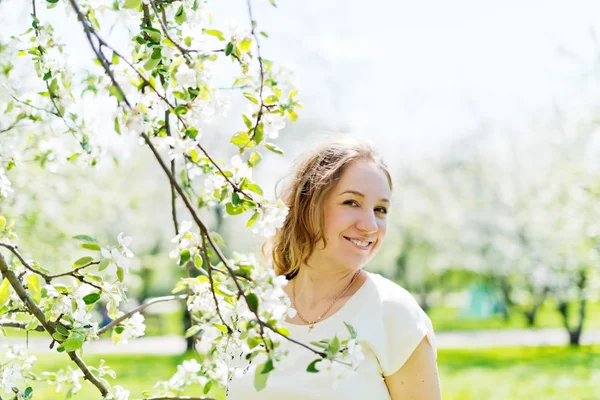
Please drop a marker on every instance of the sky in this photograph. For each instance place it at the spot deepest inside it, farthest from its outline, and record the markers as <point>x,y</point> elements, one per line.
<point>415,77</point>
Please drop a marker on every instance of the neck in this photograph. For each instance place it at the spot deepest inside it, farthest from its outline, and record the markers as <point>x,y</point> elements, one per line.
<point>315,287</point>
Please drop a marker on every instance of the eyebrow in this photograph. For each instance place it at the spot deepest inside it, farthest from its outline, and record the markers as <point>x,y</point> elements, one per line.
<point>359,194</point>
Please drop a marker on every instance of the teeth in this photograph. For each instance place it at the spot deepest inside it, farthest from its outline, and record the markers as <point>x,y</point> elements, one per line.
<point>362,244</point>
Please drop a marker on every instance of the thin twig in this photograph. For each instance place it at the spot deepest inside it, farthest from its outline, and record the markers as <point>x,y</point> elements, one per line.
<point>140,308</point>
<point>13,249</point>
<point>20,325</point>
<point>212,284</point>
<point>74,272</point>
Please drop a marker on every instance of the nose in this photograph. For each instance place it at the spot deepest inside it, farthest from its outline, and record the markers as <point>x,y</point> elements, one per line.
<point>367,223</point>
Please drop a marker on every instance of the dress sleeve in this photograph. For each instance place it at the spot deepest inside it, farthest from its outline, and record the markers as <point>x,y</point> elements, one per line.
<point>405,325</point>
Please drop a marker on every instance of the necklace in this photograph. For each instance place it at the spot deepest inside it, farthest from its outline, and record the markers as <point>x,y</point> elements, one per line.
<point>312,323</point>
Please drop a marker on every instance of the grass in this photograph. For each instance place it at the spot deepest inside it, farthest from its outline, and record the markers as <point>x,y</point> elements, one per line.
<point>548,373</point>
<point>450,319</point>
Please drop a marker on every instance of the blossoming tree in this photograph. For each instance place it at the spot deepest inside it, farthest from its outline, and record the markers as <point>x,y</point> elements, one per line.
<point>155,80</point>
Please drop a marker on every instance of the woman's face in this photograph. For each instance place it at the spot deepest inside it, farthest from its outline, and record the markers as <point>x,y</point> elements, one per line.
<point>354,218</point>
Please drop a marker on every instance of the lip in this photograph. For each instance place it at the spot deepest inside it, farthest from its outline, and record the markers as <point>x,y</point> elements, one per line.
<point>349,239</point>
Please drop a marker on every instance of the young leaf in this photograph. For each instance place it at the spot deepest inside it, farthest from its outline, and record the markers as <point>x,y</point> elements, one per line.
<point>252,302</point>
<point>255,158</point>
<point>85,238</point>
<point>311,366</point>
<point>4,292</point>
<point>268,367</point>
<point>260,379</point>
<point>74,341</point>
<point>351,330</point>
<point>82,261</point>
<point>90,246</point>
<point>91,298</point>
<point>253,219</point>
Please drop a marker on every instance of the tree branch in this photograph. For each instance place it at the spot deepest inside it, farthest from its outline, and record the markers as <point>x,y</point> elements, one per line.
<point>13,249</point>
<point>140,308</point>
<point>49,326</point>
<point>20,325</point>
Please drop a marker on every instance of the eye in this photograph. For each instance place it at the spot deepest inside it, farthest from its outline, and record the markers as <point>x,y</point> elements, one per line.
<point>351,203</point>
<point>381,210</point>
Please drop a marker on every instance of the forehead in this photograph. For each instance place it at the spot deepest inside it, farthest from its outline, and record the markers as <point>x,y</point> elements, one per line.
<point>365,177</point>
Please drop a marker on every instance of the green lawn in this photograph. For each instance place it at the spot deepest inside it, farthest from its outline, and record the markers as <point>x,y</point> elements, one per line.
<point>451,319</point>
<point>498,374</point>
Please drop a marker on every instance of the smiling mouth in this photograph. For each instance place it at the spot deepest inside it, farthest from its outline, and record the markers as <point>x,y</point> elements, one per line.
<point>363,244</point>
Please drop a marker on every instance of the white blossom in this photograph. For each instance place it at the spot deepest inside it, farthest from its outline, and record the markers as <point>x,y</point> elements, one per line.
<point>5,185</point>
<point>134,327</point>
<point>213,182</point>
<point>273,123</point>
<point>186,76</point>
<point>271,218</point>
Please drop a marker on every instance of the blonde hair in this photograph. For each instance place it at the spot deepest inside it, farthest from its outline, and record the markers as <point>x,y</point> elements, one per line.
<point>315,174</point>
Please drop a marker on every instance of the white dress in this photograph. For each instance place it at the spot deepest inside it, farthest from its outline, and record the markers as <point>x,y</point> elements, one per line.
<point>389,324</point>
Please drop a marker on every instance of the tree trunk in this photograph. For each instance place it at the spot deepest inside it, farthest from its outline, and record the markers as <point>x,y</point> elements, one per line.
<point>531,314</point>
<point>563,308</point>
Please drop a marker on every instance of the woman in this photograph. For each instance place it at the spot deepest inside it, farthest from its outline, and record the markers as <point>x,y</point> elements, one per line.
<point>339,197</point>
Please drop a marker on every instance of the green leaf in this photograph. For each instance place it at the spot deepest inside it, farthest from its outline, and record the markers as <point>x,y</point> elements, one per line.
<point>233,210</point>
<point>260,379</point>
<point>258,134</point>
<point>240,139</point>
<point>351,330</point>
<point>246,44</point>
<point>283,331</point>
<point>185,257</point>
<point>151,64</point>
<point>198,261</point>
<point>4,292</point>
<point>58,337</point>
<point>53,87</point>
<point>311,366</point>
<point>268,367</point>
<point>334,346</point>
<point>320,344</point>
<point>29,391</point>
<point>91,298</point>
<point>34,287</point>
<point>90,246</point>
<point>207,387</point>
<point>52,1</point>
<point>255,158</point>
<point>252,302</point>
<point>253,219</point>
<point>120,273</point>
<point>235,199</point>
<point>82,261</point>
<point>250,97</point>
<point>85,238</point>
<point>255,188</point>
<point>264,34</point>
<point>153,33</point>
<point>132,3</point>
<point>103,264</point>
<point>47,75</point>
<point>214,32</point>
<point>293,115</point>
<point>180,16</point>
<point>247,121</point>
<point>192,330</point>
<point>221,327</point>
<point>74,341</point>
<point>119,329</point>
<point>273,3</point>
<point>62,330</point>
<point>273,147</point>
<point>228,49</point>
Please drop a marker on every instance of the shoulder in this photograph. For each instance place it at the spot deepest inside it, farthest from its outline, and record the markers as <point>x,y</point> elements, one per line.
<point>393,298</point>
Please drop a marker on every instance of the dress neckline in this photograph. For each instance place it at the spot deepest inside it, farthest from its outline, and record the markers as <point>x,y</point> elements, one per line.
<point>297,328</point>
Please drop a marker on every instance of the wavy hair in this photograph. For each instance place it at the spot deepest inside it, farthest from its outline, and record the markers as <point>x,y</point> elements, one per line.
<point>315,174</point>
